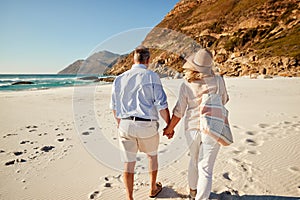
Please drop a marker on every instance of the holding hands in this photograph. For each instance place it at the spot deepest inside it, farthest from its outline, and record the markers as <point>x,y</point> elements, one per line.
<point>169,132</point>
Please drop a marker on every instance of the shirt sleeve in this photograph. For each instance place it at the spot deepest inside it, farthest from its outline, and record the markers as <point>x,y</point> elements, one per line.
<point>160,97</point>
<point>112,104</point>
<point>181,104</point>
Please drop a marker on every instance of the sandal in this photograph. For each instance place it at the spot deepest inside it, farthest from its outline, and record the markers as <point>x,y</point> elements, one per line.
<point>157,191</point>
<point>193,193</point>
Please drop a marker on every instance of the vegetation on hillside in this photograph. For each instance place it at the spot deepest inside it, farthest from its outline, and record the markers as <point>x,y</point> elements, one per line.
<point>255,30</point>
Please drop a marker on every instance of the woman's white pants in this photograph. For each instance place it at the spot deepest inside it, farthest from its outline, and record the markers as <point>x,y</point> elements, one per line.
<point>203,151</point>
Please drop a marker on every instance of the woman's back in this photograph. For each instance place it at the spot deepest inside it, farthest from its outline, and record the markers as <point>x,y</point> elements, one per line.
<point>190,97</point>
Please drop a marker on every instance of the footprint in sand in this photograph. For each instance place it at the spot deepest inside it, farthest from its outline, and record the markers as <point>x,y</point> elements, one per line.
<point>294,169</point>
<point>263,125</point>
<point>236,152</point>
<point>47,148</point>
<point>254,152</point>
<point>250,132</point>
<point>251,142</point>
<point>243,166</point>
<point>287,123</point>
<point>85,133</point>
<point>94,195</point>
<point>296,125</point>
<point>163,151</point>
<point>184,173</point>
<point>235,126</point>
<point>10,134</point>
<point>235,160</point>
<point>61,139</point>
<point>226,176</point>
<point>18,153</point>
<point>10,163</point>
<point>34,126</point>
<point>107,185</point>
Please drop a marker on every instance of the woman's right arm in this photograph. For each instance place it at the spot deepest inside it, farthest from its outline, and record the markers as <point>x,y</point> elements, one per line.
<point>178,111</point>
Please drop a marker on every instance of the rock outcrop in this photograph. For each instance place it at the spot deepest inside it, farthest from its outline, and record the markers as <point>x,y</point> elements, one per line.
<point>247,37</point>
<point>23,83</point>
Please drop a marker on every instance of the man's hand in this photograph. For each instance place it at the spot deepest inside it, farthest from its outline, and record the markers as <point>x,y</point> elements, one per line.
<point>168,132</point>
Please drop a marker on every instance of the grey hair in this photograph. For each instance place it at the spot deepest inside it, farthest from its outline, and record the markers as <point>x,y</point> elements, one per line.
<point>141,54</point>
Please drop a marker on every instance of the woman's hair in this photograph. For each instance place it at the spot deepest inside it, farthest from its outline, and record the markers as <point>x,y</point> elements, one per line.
<point>191,75</point>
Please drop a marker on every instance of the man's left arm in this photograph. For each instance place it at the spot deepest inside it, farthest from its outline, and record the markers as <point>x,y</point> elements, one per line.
<point>165,114</point>
<point>117,119</point>
<point>160,100</point>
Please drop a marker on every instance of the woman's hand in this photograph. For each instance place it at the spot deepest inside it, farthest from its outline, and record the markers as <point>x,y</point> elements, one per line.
<point>168,132</point>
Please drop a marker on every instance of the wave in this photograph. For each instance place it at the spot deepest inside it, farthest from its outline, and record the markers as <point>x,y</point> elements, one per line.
<point>4,84</point>
<point>42,81</point>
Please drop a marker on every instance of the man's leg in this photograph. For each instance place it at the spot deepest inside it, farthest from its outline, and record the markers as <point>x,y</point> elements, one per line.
<point>149,146</point>
<point>153,167</point>
<point>129,179</point>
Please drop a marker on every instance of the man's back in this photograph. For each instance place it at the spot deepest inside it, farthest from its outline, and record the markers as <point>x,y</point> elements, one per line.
<point>137,92</point>
<point>137,96</point>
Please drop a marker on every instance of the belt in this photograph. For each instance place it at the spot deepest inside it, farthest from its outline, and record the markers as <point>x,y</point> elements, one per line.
<point>137,118</point>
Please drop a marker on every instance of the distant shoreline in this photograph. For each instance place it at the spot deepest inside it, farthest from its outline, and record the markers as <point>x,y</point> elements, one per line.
<point>28,82</point>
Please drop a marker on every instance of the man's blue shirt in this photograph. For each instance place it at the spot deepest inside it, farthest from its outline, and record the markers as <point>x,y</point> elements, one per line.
<point>138,92</point>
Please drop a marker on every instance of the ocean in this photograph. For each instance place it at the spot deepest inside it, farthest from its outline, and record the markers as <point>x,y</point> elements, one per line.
<point>15,82</point>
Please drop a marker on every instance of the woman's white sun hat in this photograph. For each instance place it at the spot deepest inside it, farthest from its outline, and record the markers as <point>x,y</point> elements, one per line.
<point>201,61</point>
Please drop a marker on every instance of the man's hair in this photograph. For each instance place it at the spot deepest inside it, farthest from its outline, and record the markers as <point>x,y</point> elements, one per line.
<point>141,54</point>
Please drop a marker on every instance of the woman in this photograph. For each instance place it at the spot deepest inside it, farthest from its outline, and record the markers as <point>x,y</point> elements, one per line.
<point>200,79</point>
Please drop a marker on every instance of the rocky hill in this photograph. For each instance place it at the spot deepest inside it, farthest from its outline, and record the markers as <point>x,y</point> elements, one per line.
<point>247,37</point>
<point>97,63</point>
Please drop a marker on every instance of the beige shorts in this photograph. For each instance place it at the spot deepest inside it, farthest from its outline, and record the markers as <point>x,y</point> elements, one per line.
<point>137,136</point>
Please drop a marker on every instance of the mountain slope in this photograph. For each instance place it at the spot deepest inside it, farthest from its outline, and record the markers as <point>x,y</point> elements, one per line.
<point>245,36</point>
<point>94,64</point>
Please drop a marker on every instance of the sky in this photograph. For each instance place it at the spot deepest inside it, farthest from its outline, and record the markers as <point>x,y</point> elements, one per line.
<point>45,36</point>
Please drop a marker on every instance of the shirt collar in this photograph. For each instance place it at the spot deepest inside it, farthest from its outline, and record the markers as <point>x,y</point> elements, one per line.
<point>139,66</point>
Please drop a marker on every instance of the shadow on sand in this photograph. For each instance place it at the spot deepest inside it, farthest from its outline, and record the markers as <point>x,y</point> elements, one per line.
<point>169,192</point>
<point>227,196</point>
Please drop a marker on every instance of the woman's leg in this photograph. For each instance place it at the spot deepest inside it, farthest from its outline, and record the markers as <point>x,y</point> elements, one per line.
<point>207,155</point>
<point>194,141</point>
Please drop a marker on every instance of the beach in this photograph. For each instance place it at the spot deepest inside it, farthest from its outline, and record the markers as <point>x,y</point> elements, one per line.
<point>61,143</point>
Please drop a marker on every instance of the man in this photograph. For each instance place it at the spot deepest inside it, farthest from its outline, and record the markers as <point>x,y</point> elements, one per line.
<point>137,97</point>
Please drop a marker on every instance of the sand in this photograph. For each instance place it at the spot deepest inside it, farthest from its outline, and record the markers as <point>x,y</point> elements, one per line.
<point>62,144</point>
